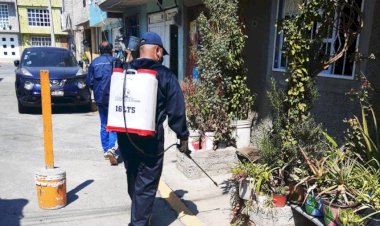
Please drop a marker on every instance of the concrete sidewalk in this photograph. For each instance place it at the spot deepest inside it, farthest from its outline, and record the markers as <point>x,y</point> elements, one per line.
<point>209,204</point>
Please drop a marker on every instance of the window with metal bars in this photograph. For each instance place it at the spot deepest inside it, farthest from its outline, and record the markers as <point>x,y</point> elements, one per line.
<point>342,68</point>
<point>38,17</point>
<point>4,16</point>
<point>40,41</point>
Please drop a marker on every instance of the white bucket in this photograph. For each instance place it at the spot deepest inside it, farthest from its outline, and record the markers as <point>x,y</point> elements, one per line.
<point>242,132</point>
<point>246,189</point>
<point>194,140</point>
<point>139,101</point>
<point>208,141</point>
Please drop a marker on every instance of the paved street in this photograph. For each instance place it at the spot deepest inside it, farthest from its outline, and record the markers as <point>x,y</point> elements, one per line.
<point>97,192</point>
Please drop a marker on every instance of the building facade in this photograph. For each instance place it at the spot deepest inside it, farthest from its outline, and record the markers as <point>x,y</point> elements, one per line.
<point>167,18</point>
<point>175,21</point>
<point>9,31</point>
<point>105,26</point>
<point>67,23</point>
<point>265,61</point>
<point>81,29</point>
<point>36,24</point>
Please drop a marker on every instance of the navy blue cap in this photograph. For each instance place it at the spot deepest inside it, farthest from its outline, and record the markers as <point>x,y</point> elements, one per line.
<point>152,39</point>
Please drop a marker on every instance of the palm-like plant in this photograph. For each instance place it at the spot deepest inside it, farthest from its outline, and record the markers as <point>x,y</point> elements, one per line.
<point>364,140</point>
<point>258,174</point>
<point>369,193</point>
<point>341,179</point>
<point>316,167</point>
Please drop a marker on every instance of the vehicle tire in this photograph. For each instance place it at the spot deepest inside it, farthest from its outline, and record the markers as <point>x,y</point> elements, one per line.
<point>86,108</point>
<point>22,109</point>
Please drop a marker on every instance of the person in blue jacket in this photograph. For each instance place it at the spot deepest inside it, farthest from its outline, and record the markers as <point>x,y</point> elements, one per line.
<point>99,75</point>
<point>143,156</point>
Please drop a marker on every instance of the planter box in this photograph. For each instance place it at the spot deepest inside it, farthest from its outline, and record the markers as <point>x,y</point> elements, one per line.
<point>276,216</point>
<point>214,163</point>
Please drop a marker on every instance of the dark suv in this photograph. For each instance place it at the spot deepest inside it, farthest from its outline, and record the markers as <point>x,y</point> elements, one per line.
<point>67,78</point>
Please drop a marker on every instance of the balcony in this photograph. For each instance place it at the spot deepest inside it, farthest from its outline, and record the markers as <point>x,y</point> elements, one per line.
<point>119,6</point>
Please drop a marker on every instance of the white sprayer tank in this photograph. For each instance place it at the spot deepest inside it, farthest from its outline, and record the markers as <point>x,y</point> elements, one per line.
<point>140,99</point>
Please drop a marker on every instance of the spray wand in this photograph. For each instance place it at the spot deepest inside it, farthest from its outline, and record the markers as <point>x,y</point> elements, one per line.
<point>187,153</point>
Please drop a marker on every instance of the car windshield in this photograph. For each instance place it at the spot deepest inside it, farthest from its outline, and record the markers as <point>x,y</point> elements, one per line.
<point>48,57</point>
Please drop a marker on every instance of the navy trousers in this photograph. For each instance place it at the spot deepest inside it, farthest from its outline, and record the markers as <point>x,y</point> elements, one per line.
<point>108,139</point>
<point>143,174</point>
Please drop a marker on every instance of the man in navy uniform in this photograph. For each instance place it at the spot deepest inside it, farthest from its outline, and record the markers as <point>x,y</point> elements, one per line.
<point>99,76</point>
<point>143,156</point>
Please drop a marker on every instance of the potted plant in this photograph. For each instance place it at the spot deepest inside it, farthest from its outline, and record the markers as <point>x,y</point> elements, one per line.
<point>193,97</point>
<point>221,68</point>
<point>306,177</point>
<point>280,195</point>
<point>363,136</point>
<point>240,103</point>
<point>369,193</point>
<point>252,178</point>
<point>313,205</point>
<point>278,187</point>
<point>339,185</point>
<point>194,141</point>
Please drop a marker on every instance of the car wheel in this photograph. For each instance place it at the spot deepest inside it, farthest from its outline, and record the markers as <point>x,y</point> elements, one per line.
<point>86,108</point>
<point>22,109</point>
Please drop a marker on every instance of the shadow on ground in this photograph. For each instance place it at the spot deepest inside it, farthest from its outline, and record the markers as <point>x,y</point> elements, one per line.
<point>226,186</point>
<point>11,211</point>
<point>59,110</point>
<point>72,196</point>
<point>164,215</point>
<point>189,204</point>
<point>64,109</point>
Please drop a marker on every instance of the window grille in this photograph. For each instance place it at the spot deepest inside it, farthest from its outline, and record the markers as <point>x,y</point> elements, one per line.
<point>38,17</point>
<point>4,16</point>
<point>40,41</point>
<point>343,68</point>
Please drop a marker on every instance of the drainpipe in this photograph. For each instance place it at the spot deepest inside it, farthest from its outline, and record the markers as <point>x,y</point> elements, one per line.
<point>20,41</point>
<point>52,36</point>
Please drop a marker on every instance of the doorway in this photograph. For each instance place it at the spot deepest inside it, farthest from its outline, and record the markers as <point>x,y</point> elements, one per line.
<point>163,24</point>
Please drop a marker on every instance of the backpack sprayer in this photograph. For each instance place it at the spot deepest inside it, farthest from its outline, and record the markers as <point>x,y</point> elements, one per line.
<point>136,100</point>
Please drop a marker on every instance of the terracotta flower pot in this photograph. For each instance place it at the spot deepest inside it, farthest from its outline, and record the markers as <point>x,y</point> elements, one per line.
<point>279,200</point>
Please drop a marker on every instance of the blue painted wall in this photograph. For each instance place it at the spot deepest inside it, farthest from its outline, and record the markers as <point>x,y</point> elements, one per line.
<point>151,7</point>
<point>96,15</point>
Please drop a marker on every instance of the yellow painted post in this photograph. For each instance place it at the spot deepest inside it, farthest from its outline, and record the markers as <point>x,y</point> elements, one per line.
<point>50,181</point>
<point>46,115</point>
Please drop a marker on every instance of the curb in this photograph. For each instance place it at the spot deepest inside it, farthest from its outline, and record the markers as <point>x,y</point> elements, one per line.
<point>184,214</point>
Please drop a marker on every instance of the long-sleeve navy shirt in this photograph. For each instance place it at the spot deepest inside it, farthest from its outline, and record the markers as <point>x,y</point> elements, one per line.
<point>170,100</point>
<point>99,76</point>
